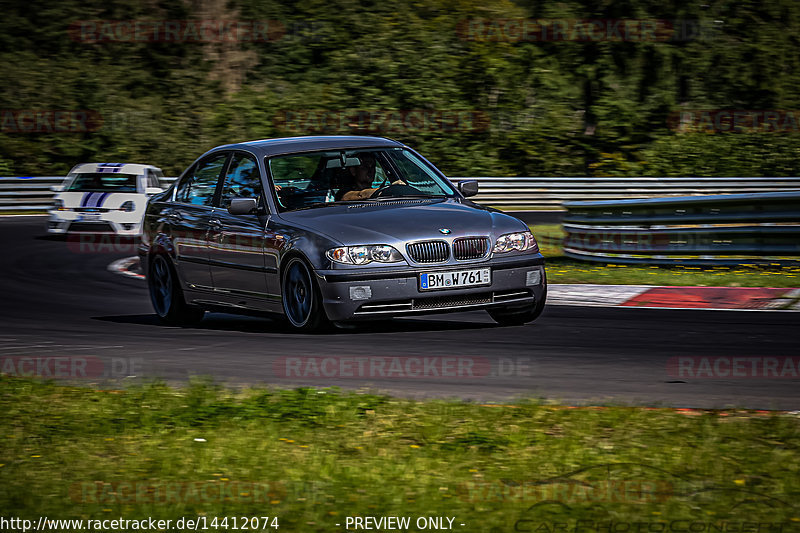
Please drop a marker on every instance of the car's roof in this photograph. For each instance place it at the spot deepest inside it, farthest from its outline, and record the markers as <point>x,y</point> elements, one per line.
<point>111,168</point>
<point>285,145</point>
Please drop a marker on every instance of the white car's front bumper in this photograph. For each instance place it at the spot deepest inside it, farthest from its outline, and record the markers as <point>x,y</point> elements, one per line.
<point>118,222</point>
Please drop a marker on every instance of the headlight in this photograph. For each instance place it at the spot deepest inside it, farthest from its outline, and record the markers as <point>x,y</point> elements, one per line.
<point>58,205</point>
<point>361,255</point>
<point>520,242</point>
<point>127,206</point>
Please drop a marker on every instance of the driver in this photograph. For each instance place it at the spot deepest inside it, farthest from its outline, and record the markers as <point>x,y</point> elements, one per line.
<point>362,177</point>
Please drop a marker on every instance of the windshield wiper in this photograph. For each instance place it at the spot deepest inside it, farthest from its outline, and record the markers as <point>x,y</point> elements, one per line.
<point>325,204</point>
<point>385,198</point>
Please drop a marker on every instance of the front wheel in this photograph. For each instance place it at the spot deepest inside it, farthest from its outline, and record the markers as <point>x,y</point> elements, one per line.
<point>302,304</point>
<point>519,316</point>
<point>167,296</point>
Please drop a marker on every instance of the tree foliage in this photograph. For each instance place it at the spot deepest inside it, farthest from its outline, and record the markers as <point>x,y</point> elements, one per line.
<point>560,108</point>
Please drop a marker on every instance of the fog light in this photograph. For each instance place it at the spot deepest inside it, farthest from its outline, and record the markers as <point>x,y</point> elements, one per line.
<point>534,277</point>
<point>361,292</point>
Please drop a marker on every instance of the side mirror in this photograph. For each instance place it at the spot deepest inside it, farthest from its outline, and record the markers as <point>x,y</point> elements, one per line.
<point>468,187</point>
<point>57,188</point>
<point>153,190</point>
<point>243,206</point>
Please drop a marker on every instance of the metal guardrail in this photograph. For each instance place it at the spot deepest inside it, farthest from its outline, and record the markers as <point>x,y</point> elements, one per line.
<point>716,229</point>
<point>33,194</point>
<point>553,192</point>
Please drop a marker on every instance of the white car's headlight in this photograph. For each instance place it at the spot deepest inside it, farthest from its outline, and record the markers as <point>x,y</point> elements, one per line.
<point>518,242</point>
<point>361,255</point>
<point>58,205</point>
<point>128,206</point>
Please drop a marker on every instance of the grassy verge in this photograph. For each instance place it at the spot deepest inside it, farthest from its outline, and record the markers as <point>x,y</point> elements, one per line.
<point>314,457</point>
<point>561,269</point>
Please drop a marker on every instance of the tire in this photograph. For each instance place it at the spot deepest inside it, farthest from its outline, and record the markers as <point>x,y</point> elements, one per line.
<point>302,303</point>
<point>167,297</point>
<point>517,317</point>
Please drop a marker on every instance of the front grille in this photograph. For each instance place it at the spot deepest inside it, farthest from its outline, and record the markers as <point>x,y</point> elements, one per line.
<point>429,251</point>
<point>444,302</point>
<point>434,303</point>
<point>470,248</point>
<point>91,227</point>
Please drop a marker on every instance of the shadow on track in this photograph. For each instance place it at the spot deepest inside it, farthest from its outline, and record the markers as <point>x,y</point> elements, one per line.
<point>250,324</point>
<point>51,237</point>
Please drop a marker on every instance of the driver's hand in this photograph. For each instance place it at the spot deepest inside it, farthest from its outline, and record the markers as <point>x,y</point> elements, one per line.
<point>358,195</point>
<point>399,182</point>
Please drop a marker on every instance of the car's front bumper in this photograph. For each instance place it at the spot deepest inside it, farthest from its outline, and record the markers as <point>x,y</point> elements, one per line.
<point>372,293</point>
<point>118,223</point>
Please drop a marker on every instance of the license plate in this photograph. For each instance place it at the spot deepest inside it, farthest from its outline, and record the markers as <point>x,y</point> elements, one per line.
<point>89,216</point>
<point>453,280</point>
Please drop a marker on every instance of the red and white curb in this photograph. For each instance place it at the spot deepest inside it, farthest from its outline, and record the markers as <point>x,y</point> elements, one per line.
<point>125,267</point>
<point>717,298</point>
<point>592,295</point>
<point>648,296</point>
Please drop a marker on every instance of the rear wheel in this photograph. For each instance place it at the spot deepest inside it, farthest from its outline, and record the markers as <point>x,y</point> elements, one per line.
<point>302,303</point>
<point>167,296</point>
<point>519,316</point>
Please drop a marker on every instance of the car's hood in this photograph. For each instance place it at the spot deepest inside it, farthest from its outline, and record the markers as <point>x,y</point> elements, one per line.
<point>108,199</point>
<point>390,221</point>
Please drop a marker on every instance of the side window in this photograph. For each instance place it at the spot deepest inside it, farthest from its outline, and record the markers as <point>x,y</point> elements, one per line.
<point>183,185</point>
<point>242,180</point>
<point>152,178</point>
<point>199,185</point>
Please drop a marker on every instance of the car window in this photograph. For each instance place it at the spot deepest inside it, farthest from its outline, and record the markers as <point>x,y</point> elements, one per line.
<point>295,171</point>
<point>200,184</point>
<point>415,172</point>
<point>152,178</point>
<point>242,180</point>
<point>311,179</point>
<point>103,182</point>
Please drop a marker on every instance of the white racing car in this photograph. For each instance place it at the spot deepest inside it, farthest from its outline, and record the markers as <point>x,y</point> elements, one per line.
<point>104,198</point>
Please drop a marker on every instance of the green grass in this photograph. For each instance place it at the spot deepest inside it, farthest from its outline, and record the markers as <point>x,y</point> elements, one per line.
<point>326,455</point>
<point>23,212</point>
<point>561,269</point>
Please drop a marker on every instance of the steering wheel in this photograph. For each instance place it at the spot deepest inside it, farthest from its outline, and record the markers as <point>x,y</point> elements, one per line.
<point>394,189</point>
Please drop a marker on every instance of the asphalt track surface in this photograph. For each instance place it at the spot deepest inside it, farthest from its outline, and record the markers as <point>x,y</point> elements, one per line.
<point>57,302</point>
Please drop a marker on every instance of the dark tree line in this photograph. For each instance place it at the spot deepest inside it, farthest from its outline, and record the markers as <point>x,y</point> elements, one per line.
<point>454,79</point>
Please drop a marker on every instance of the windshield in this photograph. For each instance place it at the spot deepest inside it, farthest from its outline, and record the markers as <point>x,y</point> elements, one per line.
<point>100,182</point>
<point>321,178</point>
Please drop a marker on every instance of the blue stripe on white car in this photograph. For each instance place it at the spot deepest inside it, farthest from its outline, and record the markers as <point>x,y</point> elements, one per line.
<point>109,167</point>
<point>93,199</point>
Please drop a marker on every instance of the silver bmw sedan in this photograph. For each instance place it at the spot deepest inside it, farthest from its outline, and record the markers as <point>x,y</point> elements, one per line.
<point>329,229</point>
